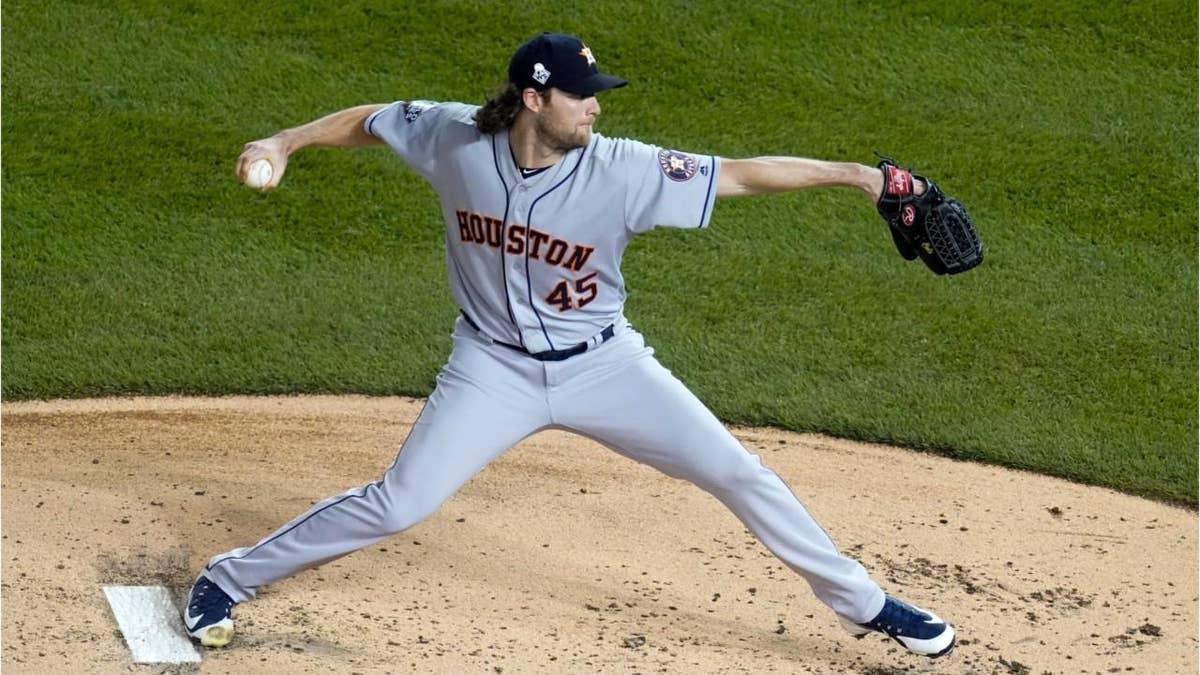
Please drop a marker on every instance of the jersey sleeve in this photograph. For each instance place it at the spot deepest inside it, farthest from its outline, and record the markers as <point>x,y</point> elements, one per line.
<point>667,187</point>
<point>412,129</point>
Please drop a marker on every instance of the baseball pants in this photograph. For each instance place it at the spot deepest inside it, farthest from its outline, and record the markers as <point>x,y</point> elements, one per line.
<point>489,397</point>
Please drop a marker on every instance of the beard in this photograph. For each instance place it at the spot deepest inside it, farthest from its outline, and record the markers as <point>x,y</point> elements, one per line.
<point>562,140</point>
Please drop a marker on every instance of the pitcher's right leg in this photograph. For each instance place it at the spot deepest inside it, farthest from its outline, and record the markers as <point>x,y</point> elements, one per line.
<point>479,409</point>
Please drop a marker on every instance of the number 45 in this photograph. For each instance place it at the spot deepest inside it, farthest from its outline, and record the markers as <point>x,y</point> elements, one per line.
<point>585,292</point>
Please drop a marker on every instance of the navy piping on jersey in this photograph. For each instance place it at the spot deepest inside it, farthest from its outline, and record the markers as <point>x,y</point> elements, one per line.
<point>528,226</point>
<point>452,262</point>
<point>503,227</point>
<point>712,175</point>
<point>371,122</point>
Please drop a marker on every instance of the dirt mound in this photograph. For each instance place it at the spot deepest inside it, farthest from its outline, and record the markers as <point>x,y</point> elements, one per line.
<point>564,557</point>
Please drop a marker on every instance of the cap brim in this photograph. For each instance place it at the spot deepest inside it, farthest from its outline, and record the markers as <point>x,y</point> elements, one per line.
<point>593,84</point>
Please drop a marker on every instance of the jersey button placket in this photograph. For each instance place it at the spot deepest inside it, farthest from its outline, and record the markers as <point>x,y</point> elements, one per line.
<point>518,281</point>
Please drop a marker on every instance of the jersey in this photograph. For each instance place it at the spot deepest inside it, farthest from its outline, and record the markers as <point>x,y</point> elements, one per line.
<point>536,261</point>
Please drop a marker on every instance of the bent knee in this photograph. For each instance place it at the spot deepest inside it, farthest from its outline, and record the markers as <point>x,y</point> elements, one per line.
<point>733,473</point>
<point>406,510</point>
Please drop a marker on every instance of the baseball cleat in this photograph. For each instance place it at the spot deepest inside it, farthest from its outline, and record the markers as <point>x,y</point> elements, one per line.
<point>208,616</point>
<point>920,632</point>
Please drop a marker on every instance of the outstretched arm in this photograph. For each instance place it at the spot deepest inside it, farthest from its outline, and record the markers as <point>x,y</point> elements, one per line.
<point>761,175</point>
<point>341,129</point>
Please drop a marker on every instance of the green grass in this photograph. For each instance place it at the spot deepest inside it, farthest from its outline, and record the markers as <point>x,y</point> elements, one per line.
<point>133,262</point>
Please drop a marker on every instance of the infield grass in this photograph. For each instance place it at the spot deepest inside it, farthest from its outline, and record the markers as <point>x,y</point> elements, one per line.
<point>133,262</point>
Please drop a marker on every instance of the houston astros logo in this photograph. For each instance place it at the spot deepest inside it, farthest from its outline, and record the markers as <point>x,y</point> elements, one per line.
<point>908,215</point>
<point>676,165</point>
<point>587,54</point>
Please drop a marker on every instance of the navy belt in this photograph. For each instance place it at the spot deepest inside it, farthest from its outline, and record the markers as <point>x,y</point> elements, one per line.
<point>554,354</point>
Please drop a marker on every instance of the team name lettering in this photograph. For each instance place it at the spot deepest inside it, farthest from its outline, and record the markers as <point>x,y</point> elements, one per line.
<point>474,228</point>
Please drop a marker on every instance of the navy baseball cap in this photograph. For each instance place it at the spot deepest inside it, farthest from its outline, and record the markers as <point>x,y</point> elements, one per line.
<point>562,61</point>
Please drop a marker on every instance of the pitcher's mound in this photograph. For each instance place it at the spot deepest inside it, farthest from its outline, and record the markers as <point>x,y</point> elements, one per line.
<point>564,557</point>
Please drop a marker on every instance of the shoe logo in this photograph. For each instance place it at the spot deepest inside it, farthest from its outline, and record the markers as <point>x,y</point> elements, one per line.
<point>190,620</point>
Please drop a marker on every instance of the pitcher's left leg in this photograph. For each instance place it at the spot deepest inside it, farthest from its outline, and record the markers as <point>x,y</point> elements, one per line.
<point>642,411</point>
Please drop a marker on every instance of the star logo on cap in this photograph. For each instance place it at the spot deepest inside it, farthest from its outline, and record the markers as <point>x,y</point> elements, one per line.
<point>587,54</point>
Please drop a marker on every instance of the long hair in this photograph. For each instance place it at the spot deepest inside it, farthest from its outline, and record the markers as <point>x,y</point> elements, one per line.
<point>500,111</point>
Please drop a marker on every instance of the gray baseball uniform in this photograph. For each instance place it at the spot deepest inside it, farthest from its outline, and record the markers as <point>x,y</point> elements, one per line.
<point>534,265</point>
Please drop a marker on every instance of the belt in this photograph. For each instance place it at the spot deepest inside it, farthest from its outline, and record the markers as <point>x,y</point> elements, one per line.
<point>554,354</point>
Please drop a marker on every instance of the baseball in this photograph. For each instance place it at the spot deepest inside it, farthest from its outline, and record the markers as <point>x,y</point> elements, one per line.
<point>259,174</point>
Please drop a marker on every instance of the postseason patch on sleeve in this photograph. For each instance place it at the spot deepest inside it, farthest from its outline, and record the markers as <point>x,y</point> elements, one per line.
<point>413,110</point>
<point>677,166</point>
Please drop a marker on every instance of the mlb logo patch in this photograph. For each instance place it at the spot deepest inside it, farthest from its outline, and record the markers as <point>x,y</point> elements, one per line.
<point>677,166</point>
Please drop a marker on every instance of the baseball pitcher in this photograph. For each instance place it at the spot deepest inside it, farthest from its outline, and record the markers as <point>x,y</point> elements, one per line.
<point>538,210</point>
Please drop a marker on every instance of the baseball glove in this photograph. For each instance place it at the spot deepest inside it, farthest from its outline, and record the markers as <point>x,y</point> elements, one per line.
<point>931,225</point>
